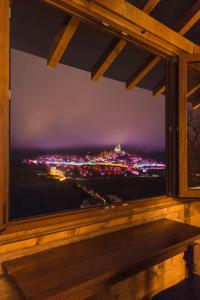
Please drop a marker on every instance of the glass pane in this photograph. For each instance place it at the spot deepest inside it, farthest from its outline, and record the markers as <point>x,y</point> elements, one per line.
<point>76,143</point>
<point>193,125</point>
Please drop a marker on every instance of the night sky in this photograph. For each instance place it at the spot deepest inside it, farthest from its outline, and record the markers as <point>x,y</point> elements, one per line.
<point>64,108</point>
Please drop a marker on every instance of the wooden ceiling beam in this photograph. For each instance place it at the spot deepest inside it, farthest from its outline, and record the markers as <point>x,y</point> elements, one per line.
<point>183,27</point>
<point>150,5</point>
<point>193,90</point>
<point>190,19</point>
<point>142,71</point>
<point>111,53</point>
<point>115,48</point>
<point>62,40</point>
<point>123,17</point>
<point>197,106</point>
<point>160,88</point>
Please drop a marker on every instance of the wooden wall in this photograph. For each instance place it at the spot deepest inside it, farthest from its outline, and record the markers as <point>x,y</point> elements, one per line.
<point>141,286</point>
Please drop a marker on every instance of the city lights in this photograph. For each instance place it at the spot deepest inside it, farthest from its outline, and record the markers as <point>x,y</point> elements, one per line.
<point>107,163</point>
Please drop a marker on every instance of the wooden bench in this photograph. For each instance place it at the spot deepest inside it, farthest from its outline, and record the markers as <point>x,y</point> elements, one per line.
<point>82,269</point>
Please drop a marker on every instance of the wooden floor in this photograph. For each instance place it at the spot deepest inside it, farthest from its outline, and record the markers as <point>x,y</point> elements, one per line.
<point>80,270</point>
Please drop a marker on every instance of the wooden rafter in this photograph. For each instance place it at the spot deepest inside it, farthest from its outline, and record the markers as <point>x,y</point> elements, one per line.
<point>197,106</point>
<point>111,53</point>
<point>192,17</point>
<point>143,70</point>
<point>62,40</point>
<point>150,5</point>
<point>183,27</point>
<point>115,48</point>
<point>160,88</point>
<point>193,90</point>
<point>123,17</point>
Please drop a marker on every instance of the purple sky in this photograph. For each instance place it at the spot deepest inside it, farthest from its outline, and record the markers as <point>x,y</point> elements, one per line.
<point>64,108</point>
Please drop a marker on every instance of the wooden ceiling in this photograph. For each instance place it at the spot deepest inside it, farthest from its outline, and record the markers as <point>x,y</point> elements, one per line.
<point>53,34</point>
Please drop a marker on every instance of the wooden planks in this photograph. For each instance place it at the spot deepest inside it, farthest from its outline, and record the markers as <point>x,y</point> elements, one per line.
<point>115,48</point>
<point>79,270</point>
<point>8,290</point>
<point>183,27</point>
<point>62,40</point>
<point>4,107</point>
<point>124,17</point>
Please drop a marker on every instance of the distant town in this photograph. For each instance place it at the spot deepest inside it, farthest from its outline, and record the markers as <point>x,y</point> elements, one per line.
<point>106,164</point>
<point>48,183</point>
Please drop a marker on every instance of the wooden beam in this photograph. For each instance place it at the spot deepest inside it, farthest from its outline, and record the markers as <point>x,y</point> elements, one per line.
<point>160,88</point>
<point>150,5</point>
<point>123,17</point>
<point>111,53</point>
<point>197,106</point>
<point>4,108</point>
<point>185,25</point>
<point>143,70</point>
<point>191,18</point>
<point>193,90</point>
<point>115,48</point>
<point>62,41</point>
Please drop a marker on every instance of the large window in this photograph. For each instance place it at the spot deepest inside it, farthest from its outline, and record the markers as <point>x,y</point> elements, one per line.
<point>74,148</point>
<point>77,143</point>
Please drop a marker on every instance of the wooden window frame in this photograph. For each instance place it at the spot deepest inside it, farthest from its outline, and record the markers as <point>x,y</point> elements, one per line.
<point>91,215</point>
<point>184,191</point>
<point>4,109</point>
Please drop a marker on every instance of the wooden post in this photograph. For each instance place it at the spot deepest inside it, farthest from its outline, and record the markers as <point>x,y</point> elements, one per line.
<point>4,108</point>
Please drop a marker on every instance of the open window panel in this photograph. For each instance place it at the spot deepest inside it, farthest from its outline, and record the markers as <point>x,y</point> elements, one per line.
<point>189,126</point>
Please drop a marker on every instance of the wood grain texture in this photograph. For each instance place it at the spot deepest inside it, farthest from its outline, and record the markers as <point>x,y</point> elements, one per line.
<point>4,108</point>
<point>82,269</point>
<point>62,40</point>
<point>8,291</point>
<point>191,18</point>
<point>115,48</point>
<point>124,17</point>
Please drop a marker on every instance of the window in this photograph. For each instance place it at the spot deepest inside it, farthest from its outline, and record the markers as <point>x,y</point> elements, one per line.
<point>189,119</point>
<point>77,143</point>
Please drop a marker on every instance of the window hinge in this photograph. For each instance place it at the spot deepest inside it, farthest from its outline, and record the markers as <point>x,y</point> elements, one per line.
<point>9,94</point>
<point>10,12</point>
